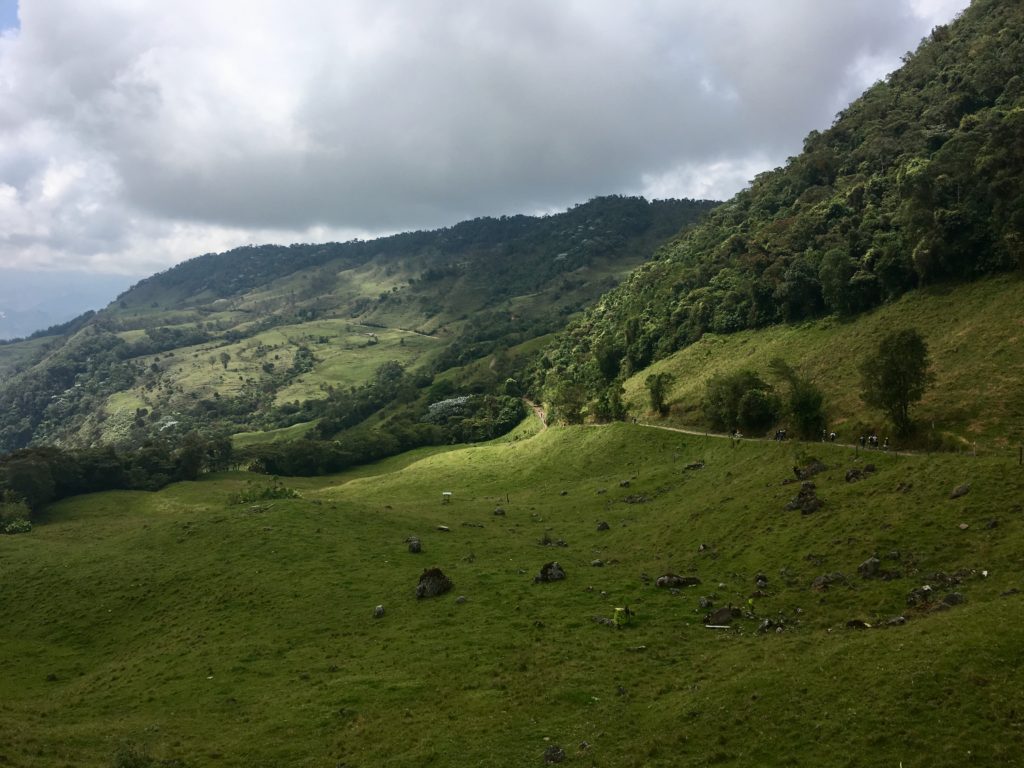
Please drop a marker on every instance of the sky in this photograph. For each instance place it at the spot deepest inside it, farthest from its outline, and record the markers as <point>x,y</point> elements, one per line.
<point>135,134</point>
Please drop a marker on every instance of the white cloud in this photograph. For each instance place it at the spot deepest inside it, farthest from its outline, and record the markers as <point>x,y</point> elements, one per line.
<point>136,134</point>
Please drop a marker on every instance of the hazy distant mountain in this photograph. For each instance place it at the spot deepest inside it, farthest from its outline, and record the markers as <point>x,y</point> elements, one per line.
<point>31,301</point>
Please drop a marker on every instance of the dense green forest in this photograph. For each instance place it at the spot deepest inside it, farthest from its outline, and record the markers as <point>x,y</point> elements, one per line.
<point>919,181</point>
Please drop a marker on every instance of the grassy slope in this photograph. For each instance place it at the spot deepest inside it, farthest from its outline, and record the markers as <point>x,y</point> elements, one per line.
<point>234,636</point>
<point>20,353</point>
<point>975,334</point>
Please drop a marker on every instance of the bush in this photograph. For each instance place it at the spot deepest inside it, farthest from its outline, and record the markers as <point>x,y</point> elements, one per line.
<point>18,526</point>
<point>254,492</point>
<point>724,393</point>
<point>757,410</point>
<point>658,386</point>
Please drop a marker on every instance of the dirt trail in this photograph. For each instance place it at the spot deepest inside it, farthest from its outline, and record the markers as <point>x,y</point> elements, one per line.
<point>539,412</point>
<point>723,436</point>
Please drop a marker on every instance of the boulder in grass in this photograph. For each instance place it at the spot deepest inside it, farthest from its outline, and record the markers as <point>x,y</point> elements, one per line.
<point>722,616</point>
<point>554,754</point>
<point>549,572</point>
<point>671,580</point>
<point>961,490</point>
<point>432,583</point>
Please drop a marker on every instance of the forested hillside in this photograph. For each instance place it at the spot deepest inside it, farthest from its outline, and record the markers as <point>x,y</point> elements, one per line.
<point>919,181</point>
<point>270,336</point>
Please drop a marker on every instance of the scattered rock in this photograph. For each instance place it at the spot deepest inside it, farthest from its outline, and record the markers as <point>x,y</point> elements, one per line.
<point>963,526</point>
<point>705,603</point>
<point>857,624</point>
<point>672,580</point>
<point>549,572</point>
<point>807,500</point>
<point>722,616</point>
<point>461,599</point>
<point>993,523</point>
<point>953,598</point>
<point>694,465</point>
<point>601,490</point>
<point>635,498</point>
<point>443,528</point>
<point>961,490</point>
<point>554,754</point>
<point>597,563</point>
<point>499,511</point>
<point>624,484</point>
<point>812,469</point>
<point>826,580</point>
<point>859,473</point>
<point>563,493</point>
<point>415,546</point>
<point>378,612</point>
<point>894,554</point>
<point>761,581</point>
<point>766,626</point>
<point>895,621</point>
<point>432,583</point>
<point>603,526</point>
<point>869,567</point>
<point>604,620</point>
<point>919,596</point>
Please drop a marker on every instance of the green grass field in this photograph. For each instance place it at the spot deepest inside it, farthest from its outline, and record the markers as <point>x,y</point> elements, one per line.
<point>975,334</point>
<point>238,635</point>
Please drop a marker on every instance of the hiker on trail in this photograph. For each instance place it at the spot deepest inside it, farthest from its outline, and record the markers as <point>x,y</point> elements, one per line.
<point>885,444</point>
<point>862,441</point>
<point>831,437</point>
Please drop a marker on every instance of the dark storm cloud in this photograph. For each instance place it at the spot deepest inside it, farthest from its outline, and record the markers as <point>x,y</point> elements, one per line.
<point>134,135</point>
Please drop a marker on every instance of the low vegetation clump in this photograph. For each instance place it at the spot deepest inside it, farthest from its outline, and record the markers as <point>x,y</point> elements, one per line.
<point>256,491</point>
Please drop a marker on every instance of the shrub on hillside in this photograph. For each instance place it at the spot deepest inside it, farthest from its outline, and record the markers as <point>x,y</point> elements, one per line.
<point>254,492</point>
<point>725,392</point>
<point>20,525</point>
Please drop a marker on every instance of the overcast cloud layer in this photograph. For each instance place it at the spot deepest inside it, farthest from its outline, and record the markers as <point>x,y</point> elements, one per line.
<point>136,134</point>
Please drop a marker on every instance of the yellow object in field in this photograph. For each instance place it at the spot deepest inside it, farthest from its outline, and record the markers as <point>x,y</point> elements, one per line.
<point>622,616</point>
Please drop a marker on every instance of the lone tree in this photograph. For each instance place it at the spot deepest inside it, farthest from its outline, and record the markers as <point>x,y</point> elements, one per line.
<point>658,385</point>
<point>896,376</point>
<point>806,400</point>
